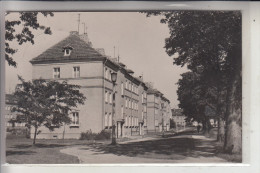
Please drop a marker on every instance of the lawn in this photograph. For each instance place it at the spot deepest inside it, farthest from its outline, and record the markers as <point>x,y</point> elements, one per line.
<point>21,151</point>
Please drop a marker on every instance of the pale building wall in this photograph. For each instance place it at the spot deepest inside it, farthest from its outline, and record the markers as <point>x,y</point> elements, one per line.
<point>150,112</point>
<point>91,82</point>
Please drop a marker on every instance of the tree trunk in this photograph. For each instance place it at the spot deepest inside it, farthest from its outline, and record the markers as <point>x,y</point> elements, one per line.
<point>206,127</point>
<point>233,136</point>
<point>221,130</point>
<point>35,133</point>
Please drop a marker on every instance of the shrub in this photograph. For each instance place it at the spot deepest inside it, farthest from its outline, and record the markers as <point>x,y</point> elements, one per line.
<point>16,132</point>
<point>104,134</point>
<point>88,135</point>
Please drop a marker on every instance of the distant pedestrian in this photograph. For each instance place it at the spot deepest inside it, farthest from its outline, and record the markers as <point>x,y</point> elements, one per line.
<point>198,128</point>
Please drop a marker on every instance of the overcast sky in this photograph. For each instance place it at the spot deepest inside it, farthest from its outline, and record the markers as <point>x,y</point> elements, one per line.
<point>138,39</point>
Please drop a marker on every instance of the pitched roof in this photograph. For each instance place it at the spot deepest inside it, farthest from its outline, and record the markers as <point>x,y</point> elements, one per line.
<point>81,51</point>
<point>177,112</point>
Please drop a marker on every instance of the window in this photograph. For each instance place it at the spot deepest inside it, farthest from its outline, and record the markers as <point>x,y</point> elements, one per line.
<point>156,100</point>
<point>126,121</point>
<point>133,87</point>
<point>76,72</point>
<point>142,98</point>
<point>129,104</point>
<point>145,109</point>
<point>106,73</point>
<point>106,96</point>
<point>109,75</point>
<point>126,104</point>
<point>106,120</point>
<point>110,97</point>
<point>129,86</point>
<point>110,120</point>
<point>56,72</point>
<point>122,88</point>
<point>132,104</point>
<point>67,52</point>
<point>75,118</point>
<point>142,115</point>
<point>132,122</point>
<point>156,122</point>
<point>156,111</point>
<point>126,84</point>
<point>122,111</point>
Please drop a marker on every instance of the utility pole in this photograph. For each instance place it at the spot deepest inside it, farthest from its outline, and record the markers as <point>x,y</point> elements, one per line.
<point>78,22</point>
<point>84,27</point>
<point>118,54</point>
<point>114,51</point>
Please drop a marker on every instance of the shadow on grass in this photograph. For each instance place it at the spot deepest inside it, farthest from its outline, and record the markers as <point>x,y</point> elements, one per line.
<point>25,146</point>
<point>9,153</point>
<point>171,148</point>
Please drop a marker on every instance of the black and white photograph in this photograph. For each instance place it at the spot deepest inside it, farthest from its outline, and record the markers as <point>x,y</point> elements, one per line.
<point>131,87</point>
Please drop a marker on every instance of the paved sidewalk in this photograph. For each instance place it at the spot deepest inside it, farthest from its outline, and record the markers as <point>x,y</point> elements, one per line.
<point>93,154</point>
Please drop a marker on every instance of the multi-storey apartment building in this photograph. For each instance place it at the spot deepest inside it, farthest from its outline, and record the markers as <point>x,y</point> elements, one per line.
<point>10,116</point>
<point>73,59</point>
<point>178,117</point>
<point>158,109</point>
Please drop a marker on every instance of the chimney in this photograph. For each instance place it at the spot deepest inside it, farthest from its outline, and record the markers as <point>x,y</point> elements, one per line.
<point>85,38</point>
<point>74,33</point>
<point>149,84</point>
<point>101,51</point>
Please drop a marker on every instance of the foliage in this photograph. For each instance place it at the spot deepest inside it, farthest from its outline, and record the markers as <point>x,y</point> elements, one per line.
<point>89,135</point>
<point>209,44</point>
<point>21,132</point>
<point>29,22</point>
<point>46,103</point>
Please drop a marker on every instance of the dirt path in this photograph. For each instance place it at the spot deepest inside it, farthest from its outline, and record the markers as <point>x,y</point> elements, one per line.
<point>178,149</point>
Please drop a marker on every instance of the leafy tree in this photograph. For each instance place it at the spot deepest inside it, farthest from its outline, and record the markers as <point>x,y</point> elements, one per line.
<point>194,97</point>
<point>211,42</point>
<point>45,103</point>
<point>29,22</point>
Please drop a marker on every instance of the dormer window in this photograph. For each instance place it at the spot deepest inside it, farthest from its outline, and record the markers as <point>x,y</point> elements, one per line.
<point>67,50</point>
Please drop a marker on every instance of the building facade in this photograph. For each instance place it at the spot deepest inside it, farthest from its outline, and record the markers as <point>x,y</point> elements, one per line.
<point>74,60</point>
<point>158,108</point>
<point>178,117</point>
<point>10,116</point>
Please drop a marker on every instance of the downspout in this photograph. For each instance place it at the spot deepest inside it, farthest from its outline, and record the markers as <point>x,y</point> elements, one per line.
<point>103,95</point>
<point>131,104</point>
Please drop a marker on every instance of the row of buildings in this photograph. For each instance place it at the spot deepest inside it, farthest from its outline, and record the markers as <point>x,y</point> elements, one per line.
<point>139,108</point>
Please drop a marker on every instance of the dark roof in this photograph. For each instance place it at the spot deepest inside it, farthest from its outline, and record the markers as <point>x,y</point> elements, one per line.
<point>129,71</point>
<point>153,91</point>
<point>81,51</point>
<point>177,112</point>
<point>165,99</point>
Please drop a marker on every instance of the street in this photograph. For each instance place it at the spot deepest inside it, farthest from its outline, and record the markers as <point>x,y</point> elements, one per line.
<point>186,148</point>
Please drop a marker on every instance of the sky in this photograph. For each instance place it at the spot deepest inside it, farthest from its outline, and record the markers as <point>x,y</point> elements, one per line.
<point>138,40</point>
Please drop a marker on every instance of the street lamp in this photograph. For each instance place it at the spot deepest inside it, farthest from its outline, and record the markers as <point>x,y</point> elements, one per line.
<point>113,78</point>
